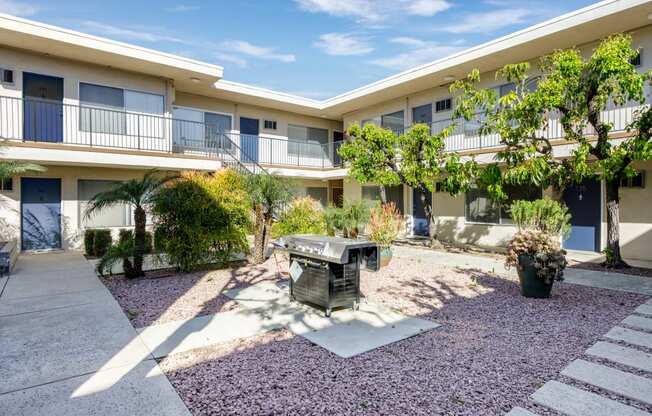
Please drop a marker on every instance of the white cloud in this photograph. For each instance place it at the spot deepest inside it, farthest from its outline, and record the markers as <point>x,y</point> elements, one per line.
<point>181,8</point>
<point>489,21</point>
<point>374,11</point>
<point>342,44</point>
<point>128,33</point>
<point>18,8</point>
<point>419,52</point>
<point>246,48</point>
<point>232,59</point>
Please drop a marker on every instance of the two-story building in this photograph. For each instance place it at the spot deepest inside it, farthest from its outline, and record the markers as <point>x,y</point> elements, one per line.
<point>95,111</point>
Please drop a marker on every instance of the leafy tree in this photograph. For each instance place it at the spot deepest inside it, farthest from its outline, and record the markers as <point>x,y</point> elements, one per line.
<point>204,218</point>
<point>416,158</point>
<point>9,168</point>
<point>305,216</point>
<point>140,193</point>
<point>269,195</point>
<point>575,91</point>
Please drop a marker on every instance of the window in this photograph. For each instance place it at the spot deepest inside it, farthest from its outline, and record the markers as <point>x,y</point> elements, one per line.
<point>7,185</point>
<point>318,194</point>
<point>479,207</point>
<point>393,121</point>
<point>7,76</point>
<point>443,105</point>
<point>270,125</point>
<point>114,110</point>
<point>195,129</point>
<point>505,89</point>
<point>637,181</point>
<point>115,216</point>
<point>394,194</point>
<point>307,141</point>
<point>375,121</point>
<point>422,114</point>
<point>637,60</point>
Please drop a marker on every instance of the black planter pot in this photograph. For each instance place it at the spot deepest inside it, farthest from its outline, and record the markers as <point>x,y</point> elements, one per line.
<point>532,286</point>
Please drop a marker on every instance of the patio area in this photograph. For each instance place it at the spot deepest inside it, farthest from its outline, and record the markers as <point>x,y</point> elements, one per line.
<point>492,350</point>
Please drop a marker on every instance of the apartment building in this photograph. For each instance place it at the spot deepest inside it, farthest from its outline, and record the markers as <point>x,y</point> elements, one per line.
<point>95,111</point>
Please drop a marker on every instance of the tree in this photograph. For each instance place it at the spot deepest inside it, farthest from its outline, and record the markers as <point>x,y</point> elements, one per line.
<point>415,158</point>
<point>269,195</point>
<point>140,193</point>
<point>9,168</point>
<point>575,91</point>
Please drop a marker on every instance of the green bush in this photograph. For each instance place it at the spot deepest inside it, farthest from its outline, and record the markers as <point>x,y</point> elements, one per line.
<point>160,240</point>
<point>349,219</point>
<point>89,237</point>
<point>204,218</point>
<point>304,216</point>
<point>127,235</point>
<point>101,242</point>
<point>545,215</point>
<point>385,224</point>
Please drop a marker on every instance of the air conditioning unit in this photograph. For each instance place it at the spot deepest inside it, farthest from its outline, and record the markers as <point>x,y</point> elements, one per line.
<point>7,76</point>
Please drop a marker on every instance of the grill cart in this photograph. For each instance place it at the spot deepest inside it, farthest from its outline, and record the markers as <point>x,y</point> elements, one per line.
<point>325,271</point>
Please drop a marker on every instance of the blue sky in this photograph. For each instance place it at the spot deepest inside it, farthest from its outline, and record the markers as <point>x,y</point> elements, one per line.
<point>313,48</point>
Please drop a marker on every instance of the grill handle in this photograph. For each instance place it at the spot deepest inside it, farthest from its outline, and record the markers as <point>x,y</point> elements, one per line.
<point>312,263</point>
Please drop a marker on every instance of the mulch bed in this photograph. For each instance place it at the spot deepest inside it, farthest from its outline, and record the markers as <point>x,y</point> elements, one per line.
<point>633,271</point>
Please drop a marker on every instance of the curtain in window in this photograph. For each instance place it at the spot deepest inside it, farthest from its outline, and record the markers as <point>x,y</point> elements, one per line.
<point>101,109</point>
<point>144,114</point>
<point>187,128</point>
<point>115,216</point>
<point>307,141</point>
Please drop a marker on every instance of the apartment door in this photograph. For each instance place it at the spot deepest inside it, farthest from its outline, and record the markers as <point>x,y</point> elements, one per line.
<point>42,108</point>
<point>420,221</point>
<point>40,213</point>
<point>338,139</point>
<point>584,200</point>
<point>249,140</point>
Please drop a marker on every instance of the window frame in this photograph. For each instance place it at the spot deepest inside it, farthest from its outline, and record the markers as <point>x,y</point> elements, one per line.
<point>291,143</point>
<point>501,219</point>
<point>448,105</point>
<point>203,122</point>
<point>4,188</point>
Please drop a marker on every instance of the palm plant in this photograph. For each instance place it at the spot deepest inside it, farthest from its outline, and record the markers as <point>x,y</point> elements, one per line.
<point>9,168</point>
<point>269,195</point>
<point>139,193</point>
<point>121,252</point>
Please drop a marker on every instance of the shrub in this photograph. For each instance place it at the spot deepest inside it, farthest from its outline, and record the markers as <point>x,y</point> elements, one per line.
<point>160,240</point>
<point>89,237</point>
<point>385,224</point>
<point>126,235</point>
<point>545,215</point>
<point>101,242</point>
<point>549,258</point>
<point>204,218</point>
<point>123,252</point>
<point>305,216</point>
<point>349,219</point>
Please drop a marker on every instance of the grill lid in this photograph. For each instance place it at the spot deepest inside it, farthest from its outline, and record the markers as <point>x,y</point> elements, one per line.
<point>331,249</point>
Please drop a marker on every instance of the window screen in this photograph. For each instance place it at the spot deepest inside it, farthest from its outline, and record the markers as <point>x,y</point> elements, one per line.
<point>480,208</point>
<point>145,103</point>
<point>115,216</point>
<point>187,127</point>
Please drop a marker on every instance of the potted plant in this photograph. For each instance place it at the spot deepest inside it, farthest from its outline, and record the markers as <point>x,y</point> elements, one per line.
<point>385,224</point>
<point>535,250</point>
<point>348,220</point>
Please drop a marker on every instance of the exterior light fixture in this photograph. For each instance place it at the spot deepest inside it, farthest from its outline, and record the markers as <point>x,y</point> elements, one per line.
<point>195,80</point>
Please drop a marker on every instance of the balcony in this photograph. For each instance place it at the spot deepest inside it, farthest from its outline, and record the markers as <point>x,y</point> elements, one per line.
<point>43,121</point>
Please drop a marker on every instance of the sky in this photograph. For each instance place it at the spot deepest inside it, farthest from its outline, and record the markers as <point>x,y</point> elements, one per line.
<point>313,48</point>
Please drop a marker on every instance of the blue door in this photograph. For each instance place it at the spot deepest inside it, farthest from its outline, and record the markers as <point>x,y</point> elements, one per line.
<point>421,226</point>
<point>248,140</point>
<point>43,108</point>
<point>584,201</point>
<point>40,213</point>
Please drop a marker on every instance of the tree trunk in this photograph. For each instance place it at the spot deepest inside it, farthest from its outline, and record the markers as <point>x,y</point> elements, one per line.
<point>613,256</point>
<point>140,220</point>
<point>259,235</point>
<point>427,208</point>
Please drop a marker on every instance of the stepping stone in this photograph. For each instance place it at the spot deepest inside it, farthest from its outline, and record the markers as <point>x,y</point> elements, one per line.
<point>519,411</point>
<point>616,381</point>
<point>644,309</point>
<point>630,336</point>
<point>622,355</point>
<point>572,401</point>
<point>638,322</point>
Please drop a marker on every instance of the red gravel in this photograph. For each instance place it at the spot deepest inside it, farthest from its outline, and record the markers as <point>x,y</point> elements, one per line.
<point>150,301</point>
<point>495,348</point>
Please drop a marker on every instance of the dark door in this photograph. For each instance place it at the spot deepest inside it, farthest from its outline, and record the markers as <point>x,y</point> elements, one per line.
<point>338,139</point>
<point>584,201</point>
<point>421,226</point>
<point>43,108</point>
<point>40,213</point>
<point>248,140</point>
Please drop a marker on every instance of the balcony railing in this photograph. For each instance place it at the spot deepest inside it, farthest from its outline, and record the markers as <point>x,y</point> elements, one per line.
<point>37,120</point>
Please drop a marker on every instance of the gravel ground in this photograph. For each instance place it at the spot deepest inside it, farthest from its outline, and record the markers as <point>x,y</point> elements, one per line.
<point>150,301</point>
<point>495,348</point>
<point>634,271</point>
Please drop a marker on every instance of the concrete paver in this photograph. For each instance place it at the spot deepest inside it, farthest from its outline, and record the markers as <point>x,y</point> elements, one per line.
<point>622,355</point>
<point>638,322</point>
<point>630,336</point>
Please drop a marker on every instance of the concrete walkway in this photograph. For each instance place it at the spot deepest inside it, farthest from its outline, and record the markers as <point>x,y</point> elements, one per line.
<point>636,332</point>
<point>66,347</point>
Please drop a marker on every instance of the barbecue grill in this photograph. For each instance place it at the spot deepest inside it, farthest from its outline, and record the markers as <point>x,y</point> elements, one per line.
<point>325,271</point>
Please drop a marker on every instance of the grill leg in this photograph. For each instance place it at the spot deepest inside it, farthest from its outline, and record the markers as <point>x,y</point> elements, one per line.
<point>328,312</point>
